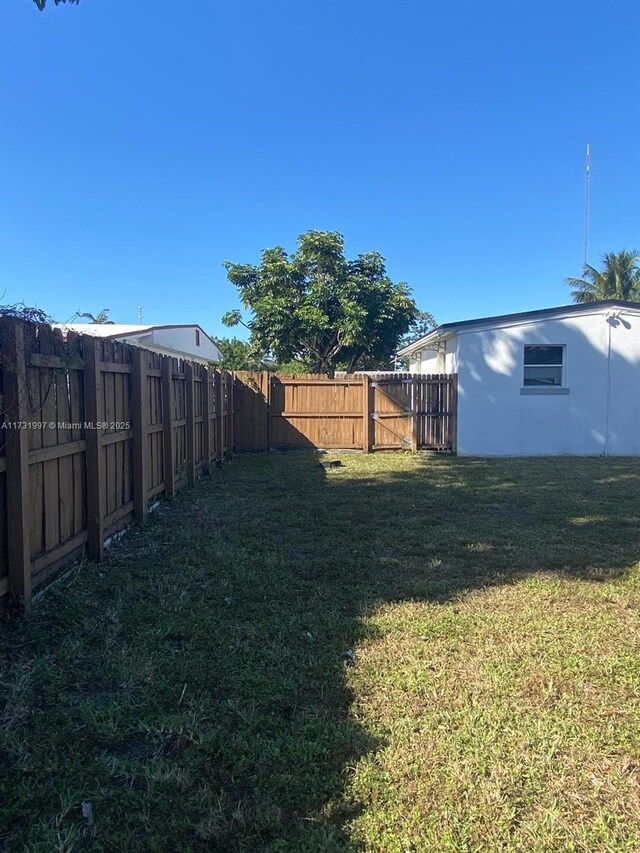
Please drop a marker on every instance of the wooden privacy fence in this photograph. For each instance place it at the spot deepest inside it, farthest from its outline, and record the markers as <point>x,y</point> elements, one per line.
<point>92,431</point>
<point>368,412</point>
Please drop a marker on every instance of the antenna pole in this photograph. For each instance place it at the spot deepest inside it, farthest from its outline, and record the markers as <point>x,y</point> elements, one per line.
<point>587,202</point>
<point>139,313</point>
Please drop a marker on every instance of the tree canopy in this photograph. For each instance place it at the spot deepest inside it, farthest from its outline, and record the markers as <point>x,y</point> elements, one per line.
<point>320,309</point>
<point>239,355</point>
<point>619,278</point>
<point>42,3</point>
<point>421,326</point>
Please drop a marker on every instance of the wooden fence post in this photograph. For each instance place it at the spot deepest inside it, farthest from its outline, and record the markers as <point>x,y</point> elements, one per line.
<point>219,417</point>
<point>206,420</point>
<point>189,399</point>
<point>265,388</point>
<point>453,408</point>
<point>94,415</point>
<point>415,413</point>
<point>167,427</point>
<point>367,420</point>
<point>230,414</point>
<point>16,411</point>
<point>139,423</point>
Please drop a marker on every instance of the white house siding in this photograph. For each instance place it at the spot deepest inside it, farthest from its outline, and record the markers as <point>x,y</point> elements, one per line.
<point>427,361</point>
<point>184,340</point>
<point>600,414</point>
<point>423,362</point>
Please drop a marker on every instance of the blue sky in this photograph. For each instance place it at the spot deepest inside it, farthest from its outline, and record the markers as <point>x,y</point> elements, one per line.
<point>143,143</point>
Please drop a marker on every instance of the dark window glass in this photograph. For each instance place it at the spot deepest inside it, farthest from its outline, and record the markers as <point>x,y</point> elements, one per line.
<point>543,355</point>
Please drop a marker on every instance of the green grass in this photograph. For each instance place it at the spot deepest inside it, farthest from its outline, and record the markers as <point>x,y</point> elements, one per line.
<point>194,688</point>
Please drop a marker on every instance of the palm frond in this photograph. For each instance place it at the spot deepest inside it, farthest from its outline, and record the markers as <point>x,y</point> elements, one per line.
<point>619,278</point>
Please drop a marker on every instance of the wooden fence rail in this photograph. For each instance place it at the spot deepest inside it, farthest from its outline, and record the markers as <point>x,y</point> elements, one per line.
<point>369,412</point>
<point>92,432</point>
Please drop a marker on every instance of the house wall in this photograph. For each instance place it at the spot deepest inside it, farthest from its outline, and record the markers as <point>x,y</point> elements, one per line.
<point>185,341</point>
<point>423,362</point>
<point>180,341</point>
<point>427,360</point>
<point>599,413</point>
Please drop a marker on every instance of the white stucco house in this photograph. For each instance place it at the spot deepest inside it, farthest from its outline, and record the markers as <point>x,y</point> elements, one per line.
<point>556,381</point>
<point>181,341</point>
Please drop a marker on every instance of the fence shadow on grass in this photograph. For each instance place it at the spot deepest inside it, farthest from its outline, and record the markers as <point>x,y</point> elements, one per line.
<point>197,687</point>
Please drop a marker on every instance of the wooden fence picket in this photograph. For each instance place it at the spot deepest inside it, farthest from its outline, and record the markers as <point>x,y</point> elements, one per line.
<point>140,426</point>
<point>190,404</point>
<point>168,430</point>
<point>16,441</point>
<point>95,463</point>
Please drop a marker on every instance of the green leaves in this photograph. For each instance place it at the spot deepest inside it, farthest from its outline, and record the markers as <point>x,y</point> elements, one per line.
<point>618,279</point>
<point>239,355</point>
<point>318,308</point>
<point>232,318</point>
<point>99,319</point>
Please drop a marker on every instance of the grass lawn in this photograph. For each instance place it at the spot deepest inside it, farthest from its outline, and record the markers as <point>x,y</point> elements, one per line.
<point>198,689</point>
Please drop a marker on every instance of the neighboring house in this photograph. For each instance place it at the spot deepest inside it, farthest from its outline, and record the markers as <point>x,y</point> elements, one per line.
<point>184,341</point>
<point>558,381</point>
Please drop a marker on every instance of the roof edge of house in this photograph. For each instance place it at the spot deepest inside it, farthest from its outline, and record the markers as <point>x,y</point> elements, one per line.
<point>520,316</point>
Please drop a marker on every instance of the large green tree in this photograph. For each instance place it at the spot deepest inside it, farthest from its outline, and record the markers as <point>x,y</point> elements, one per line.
<point>619,278</point>
<point>320,309</point>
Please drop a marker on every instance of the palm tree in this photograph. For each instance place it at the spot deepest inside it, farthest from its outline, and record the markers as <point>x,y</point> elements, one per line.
<point>618,279</point>
<point>99,319</point>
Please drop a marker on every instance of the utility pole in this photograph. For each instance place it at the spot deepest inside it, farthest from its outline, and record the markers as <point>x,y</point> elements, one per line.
<point>587,202</point>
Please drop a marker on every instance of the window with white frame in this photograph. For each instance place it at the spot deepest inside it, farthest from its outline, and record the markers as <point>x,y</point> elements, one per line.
<point>544,365</point>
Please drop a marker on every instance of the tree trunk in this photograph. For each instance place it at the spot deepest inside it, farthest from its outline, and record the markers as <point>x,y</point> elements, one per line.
<point>353,364</point>
<point>321,365</point>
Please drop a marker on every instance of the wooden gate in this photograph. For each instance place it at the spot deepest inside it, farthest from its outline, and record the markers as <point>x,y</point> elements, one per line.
<point>387,411</point>
<point>391,410</point>
<point>436,406</point>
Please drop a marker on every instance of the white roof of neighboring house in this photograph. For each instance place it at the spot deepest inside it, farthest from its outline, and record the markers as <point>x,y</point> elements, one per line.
<point>447,329</point>
<point>105,330</point>
<point>118,331</point>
